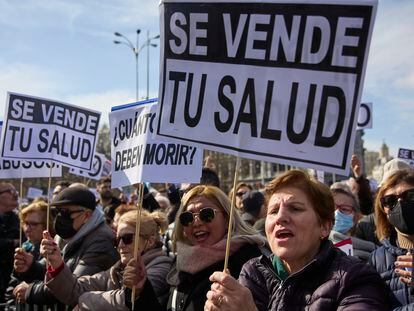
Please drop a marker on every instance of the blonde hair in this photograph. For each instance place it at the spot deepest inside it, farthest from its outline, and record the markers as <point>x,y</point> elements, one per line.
<point>219,198</point>
<point>152,224</point>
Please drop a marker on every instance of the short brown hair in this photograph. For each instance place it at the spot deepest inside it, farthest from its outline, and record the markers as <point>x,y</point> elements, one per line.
<point>318,193</point>
<point>384,228</point>
<point>37,207</point>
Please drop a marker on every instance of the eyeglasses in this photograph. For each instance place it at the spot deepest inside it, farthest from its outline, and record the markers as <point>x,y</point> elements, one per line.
<point>11,191</point>
<point>64,212</point>
<point>391,200</point>
<point>126,238</point>
<point>345,208</point>
<point>206,214</point>
<point>31,224</point>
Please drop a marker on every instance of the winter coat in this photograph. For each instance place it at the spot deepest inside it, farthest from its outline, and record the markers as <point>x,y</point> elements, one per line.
<point>188,291</point>
<point>9,234</point>
<point>331,281</point>
<point>89,252</point>
<point>104,290</point>
<point>383,259</point>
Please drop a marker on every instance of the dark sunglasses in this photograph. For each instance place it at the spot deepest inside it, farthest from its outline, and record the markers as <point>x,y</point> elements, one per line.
<point>11,191</point>
<point>240,194</point>
<point>391,200</point>
<point>206,214</point>
<point>127,238</point>
<point>64,212</point>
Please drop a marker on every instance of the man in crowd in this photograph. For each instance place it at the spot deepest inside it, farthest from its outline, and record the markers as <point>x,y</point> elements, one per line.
<point>87,243</point>
<point>107,199</point>
<point>9,233</point>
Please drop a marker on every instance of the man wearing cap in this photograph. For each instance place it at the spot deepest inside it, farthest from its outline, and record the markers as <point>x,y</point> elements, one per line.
<point>9,233</point>
<point>87,243</point>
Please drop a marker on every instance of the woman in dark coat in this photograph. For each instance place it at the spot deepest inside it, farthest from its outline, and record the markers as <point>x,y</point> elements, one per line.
<point>394,212</point>
<point>305,271</point>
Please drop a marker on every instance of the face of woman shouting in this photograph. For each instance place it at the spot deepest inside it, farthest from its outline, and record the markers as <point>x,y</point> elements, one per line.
<point>293,228</point>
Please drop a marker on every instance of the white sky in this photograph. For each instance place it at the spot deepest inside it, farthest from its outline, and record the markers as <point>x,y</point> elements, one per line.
<point>63,50</point>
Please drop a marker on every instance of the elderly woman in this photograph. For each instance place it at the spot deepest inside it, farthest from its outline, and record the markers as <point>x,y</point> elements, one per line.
<point>28,264</point>
<point>394,212</point>
<point>104,291</point>
<point>347,214</point>
<point>305,271</point>
<point>200,241</point>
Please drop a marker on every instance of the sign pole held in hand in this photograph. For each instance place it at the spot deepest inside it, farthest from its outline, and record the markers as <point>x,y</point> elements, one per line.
<point>137,231</point>
<point>48,197</point>
<point>20,209</point>
<point>233,202</point>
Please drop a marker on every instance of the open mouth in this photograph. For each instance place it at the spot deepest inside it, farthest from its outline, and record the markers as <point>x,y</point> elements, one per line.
<point>284,234</point>
<point>201,236</point>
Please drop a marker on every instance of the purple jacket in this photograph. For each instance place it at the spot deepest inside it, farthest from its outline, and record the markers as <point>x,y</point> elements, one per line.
<point>331,281</point>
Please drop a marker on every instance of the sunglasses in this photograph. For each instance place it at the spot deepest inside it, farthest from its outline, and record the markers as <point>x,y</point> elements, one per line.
<point>126,238</point>
<point>240,194</point>
<point>391,200</point>
<point>31,224</point>
<point>206,215</point>
<point>64,212</point>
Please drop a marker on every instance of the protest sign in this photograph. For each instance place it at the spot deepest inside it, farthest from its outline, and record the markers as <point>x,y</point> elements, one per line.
<point>33,193</point>
<point>346,246</point>
<point>365,116</point>
<point>137,157</point>
<point>97,170</point>
<point>276,81</point>
<point>407,155</point>
<point>10,169</point>
<point>37,128</point>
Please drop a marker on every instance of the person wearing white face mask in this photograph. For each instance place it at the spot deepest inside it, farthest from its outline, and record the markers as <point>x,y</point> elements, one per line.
<point>347,215</point>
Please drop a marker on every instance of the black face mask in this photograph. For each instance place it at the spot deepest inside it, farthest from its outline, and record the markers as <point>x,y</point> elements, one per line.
<point>64,226</point>
<point>402,216</point>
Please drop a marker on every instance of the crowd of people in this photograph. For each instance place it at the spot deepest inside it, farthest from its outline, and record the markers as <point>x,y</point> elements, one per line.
<point>282,254</point>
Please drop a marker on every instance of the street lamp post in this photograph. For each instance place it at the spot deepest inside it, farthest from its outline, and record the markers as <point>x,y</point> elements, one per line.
<point>136,49</point>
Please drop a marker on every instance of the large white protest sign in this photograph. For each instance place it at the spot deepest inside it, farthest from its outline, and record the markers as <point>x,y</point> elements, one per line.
<point>97,170</point>
<point>277,81</point>
<point>37,128</point>
<point>365,116</point>
<point>137,157</point>
<point>10,169</point>
<point>407,155</point>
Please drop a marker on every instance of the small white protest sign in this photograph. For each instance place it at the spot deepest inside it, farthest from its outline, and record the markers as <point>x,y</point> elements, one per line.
<point>33,193</point>
<point>97,170</point>
<point>346,246</point>
<point>365,116</point>
<point>278,81</point>
<point>37,128</point>
<point>137,157</point>
<point>12,169</point>
<point>407,155</point>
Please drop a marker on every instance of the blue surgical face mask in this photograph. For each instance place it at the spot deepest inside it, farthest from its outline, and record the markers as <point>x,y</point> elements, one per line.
<point>343,222</point>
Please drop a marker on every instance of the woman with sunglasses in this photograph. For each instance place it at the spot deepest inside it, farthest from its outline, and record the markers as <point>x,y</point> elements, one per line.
<point>305,271</point>
<point>200,242</point>
<point>394,213</point>
<point>104,290</point>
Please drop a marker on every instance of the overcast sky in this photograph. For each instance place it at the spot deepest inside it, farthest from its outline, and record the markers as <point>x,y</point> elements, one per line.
<point>64,50</point>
